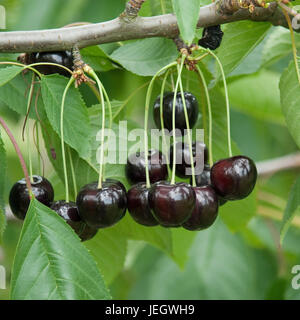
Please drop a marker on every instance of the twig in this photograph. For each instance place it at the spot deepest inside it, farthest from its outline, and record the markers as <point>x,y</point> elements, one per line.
<point>132,9</point>
<point>118,30</point>
<point>269,167</point>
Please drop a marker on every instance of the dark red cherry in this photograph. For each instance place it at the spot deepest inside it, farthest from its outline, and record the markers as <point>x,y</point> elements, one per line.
<point>64,58</point>
<point>116,182</point>
<point>101,208</point>
<point>183,159</point>
<point>138,205</point>
<point>135,168</point>
<point>234,178</point>
<point>171,204</point>
<point>19,197</point>
<point>206,209</point>
<point>69,212</point>
<point>180,123</point>
<point>203,179</point>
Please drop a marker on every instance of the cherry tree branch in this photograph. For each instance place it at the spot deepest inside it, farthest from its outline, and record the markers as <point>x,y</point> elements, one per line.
<point>269,167</point>
<point>121,29</point>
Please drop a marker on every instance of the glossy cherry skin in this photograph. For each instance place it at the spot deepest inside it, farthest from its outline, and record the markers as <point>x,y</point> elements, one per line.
<point>234,178</point>
<point>135,168</point>
<point>19,197</point>
<point>64,58</point>
<point>183,159</point>
<point>180,123</point>
<point>205,211</point>
<point>101,208</point>
<point>138,205</point>
<point>171,205</point>
<point>69,212</point>
<point>211,37</point>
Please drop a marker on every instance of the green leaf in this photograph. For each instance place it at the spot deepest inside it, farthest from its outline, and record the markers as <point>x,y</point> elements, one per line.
<point>15,95</point>
<point>51,263</point>
<point>2,187</point>
<point>8,73</point>
<point>290,99</point>
<point>109,249</point>
<point>146,57</point>
<point>278,46</point>
<point>187,13</point>
<point>291,209</point>
<point>77,129</point>
<point>240,38</point>
<point>96,58</point>
<point>260,98</point>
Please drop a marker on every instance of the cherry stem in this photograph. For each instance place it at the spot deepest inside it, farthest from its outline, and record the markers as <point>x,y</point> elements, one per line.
<point>226,100</point>
<point>72,172</point>
<point>28,129</point>
<point>62,137</point>
<point>93,74</point>
<point>293,41</point>
<point>19,154</point>
<point>162,119</point>
<point>147,107</point>
<point>209,115</point>
<point>174,118</point>
<point>188,133</point>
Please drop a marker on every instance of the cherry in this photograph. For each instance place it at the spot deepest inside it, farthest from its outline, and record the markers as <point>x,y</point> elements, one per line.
<point>211,37</point>
<point>180,123</point>
<point>183,160</point>
<point>64,58</point>
<point>101,208</point>
<point>135,168</point>
<point>206,209</point>
<point>138,205</point>
<point>171,204</point>
<point>203,179</point>
<point>19,196</point>
<point>69,212</point>
<point>234,178</point>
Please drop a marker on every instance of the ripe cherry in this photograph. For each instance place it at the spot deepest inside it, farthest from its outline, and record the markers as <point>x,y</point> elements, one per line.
<point>171,204</point>
<point>206,209</point>
<point>180,123</point>
<point>19,196</point>
<point>69,212</point>
<point>135,168</point>
<point>183,159</point>
<point>138,205</point>
<point>234,178</point>
<point>101,208</point>
<point>211,37</point>
<point>64,58</point>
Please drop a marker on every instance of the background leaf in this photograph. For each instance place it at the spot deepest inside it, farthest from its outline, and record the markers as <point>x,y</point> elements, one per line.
<point>77,130</point>
<point>51,263</point>
<point>291,209</point>
<point>240,38</point>
<point>8,73</point>
<point>146,57</point>
<point>187,13</point>
<point>290,99</point>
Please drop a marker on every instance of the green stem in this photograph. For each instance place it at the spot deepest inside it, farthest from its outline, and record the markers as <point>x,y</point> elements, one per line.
<point>62,137</point>
<point>163,6</point>
<point>162,119</point>
<point>72,172</point>
<point>38,146</point>
<point>174,118</point>
<point>28,129</point>
<point>209,115</point>
<point>293,42</point>
<point>227,102</point>
<point>100,88</point>
<point>148,97</point>
<point>188,132</point>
